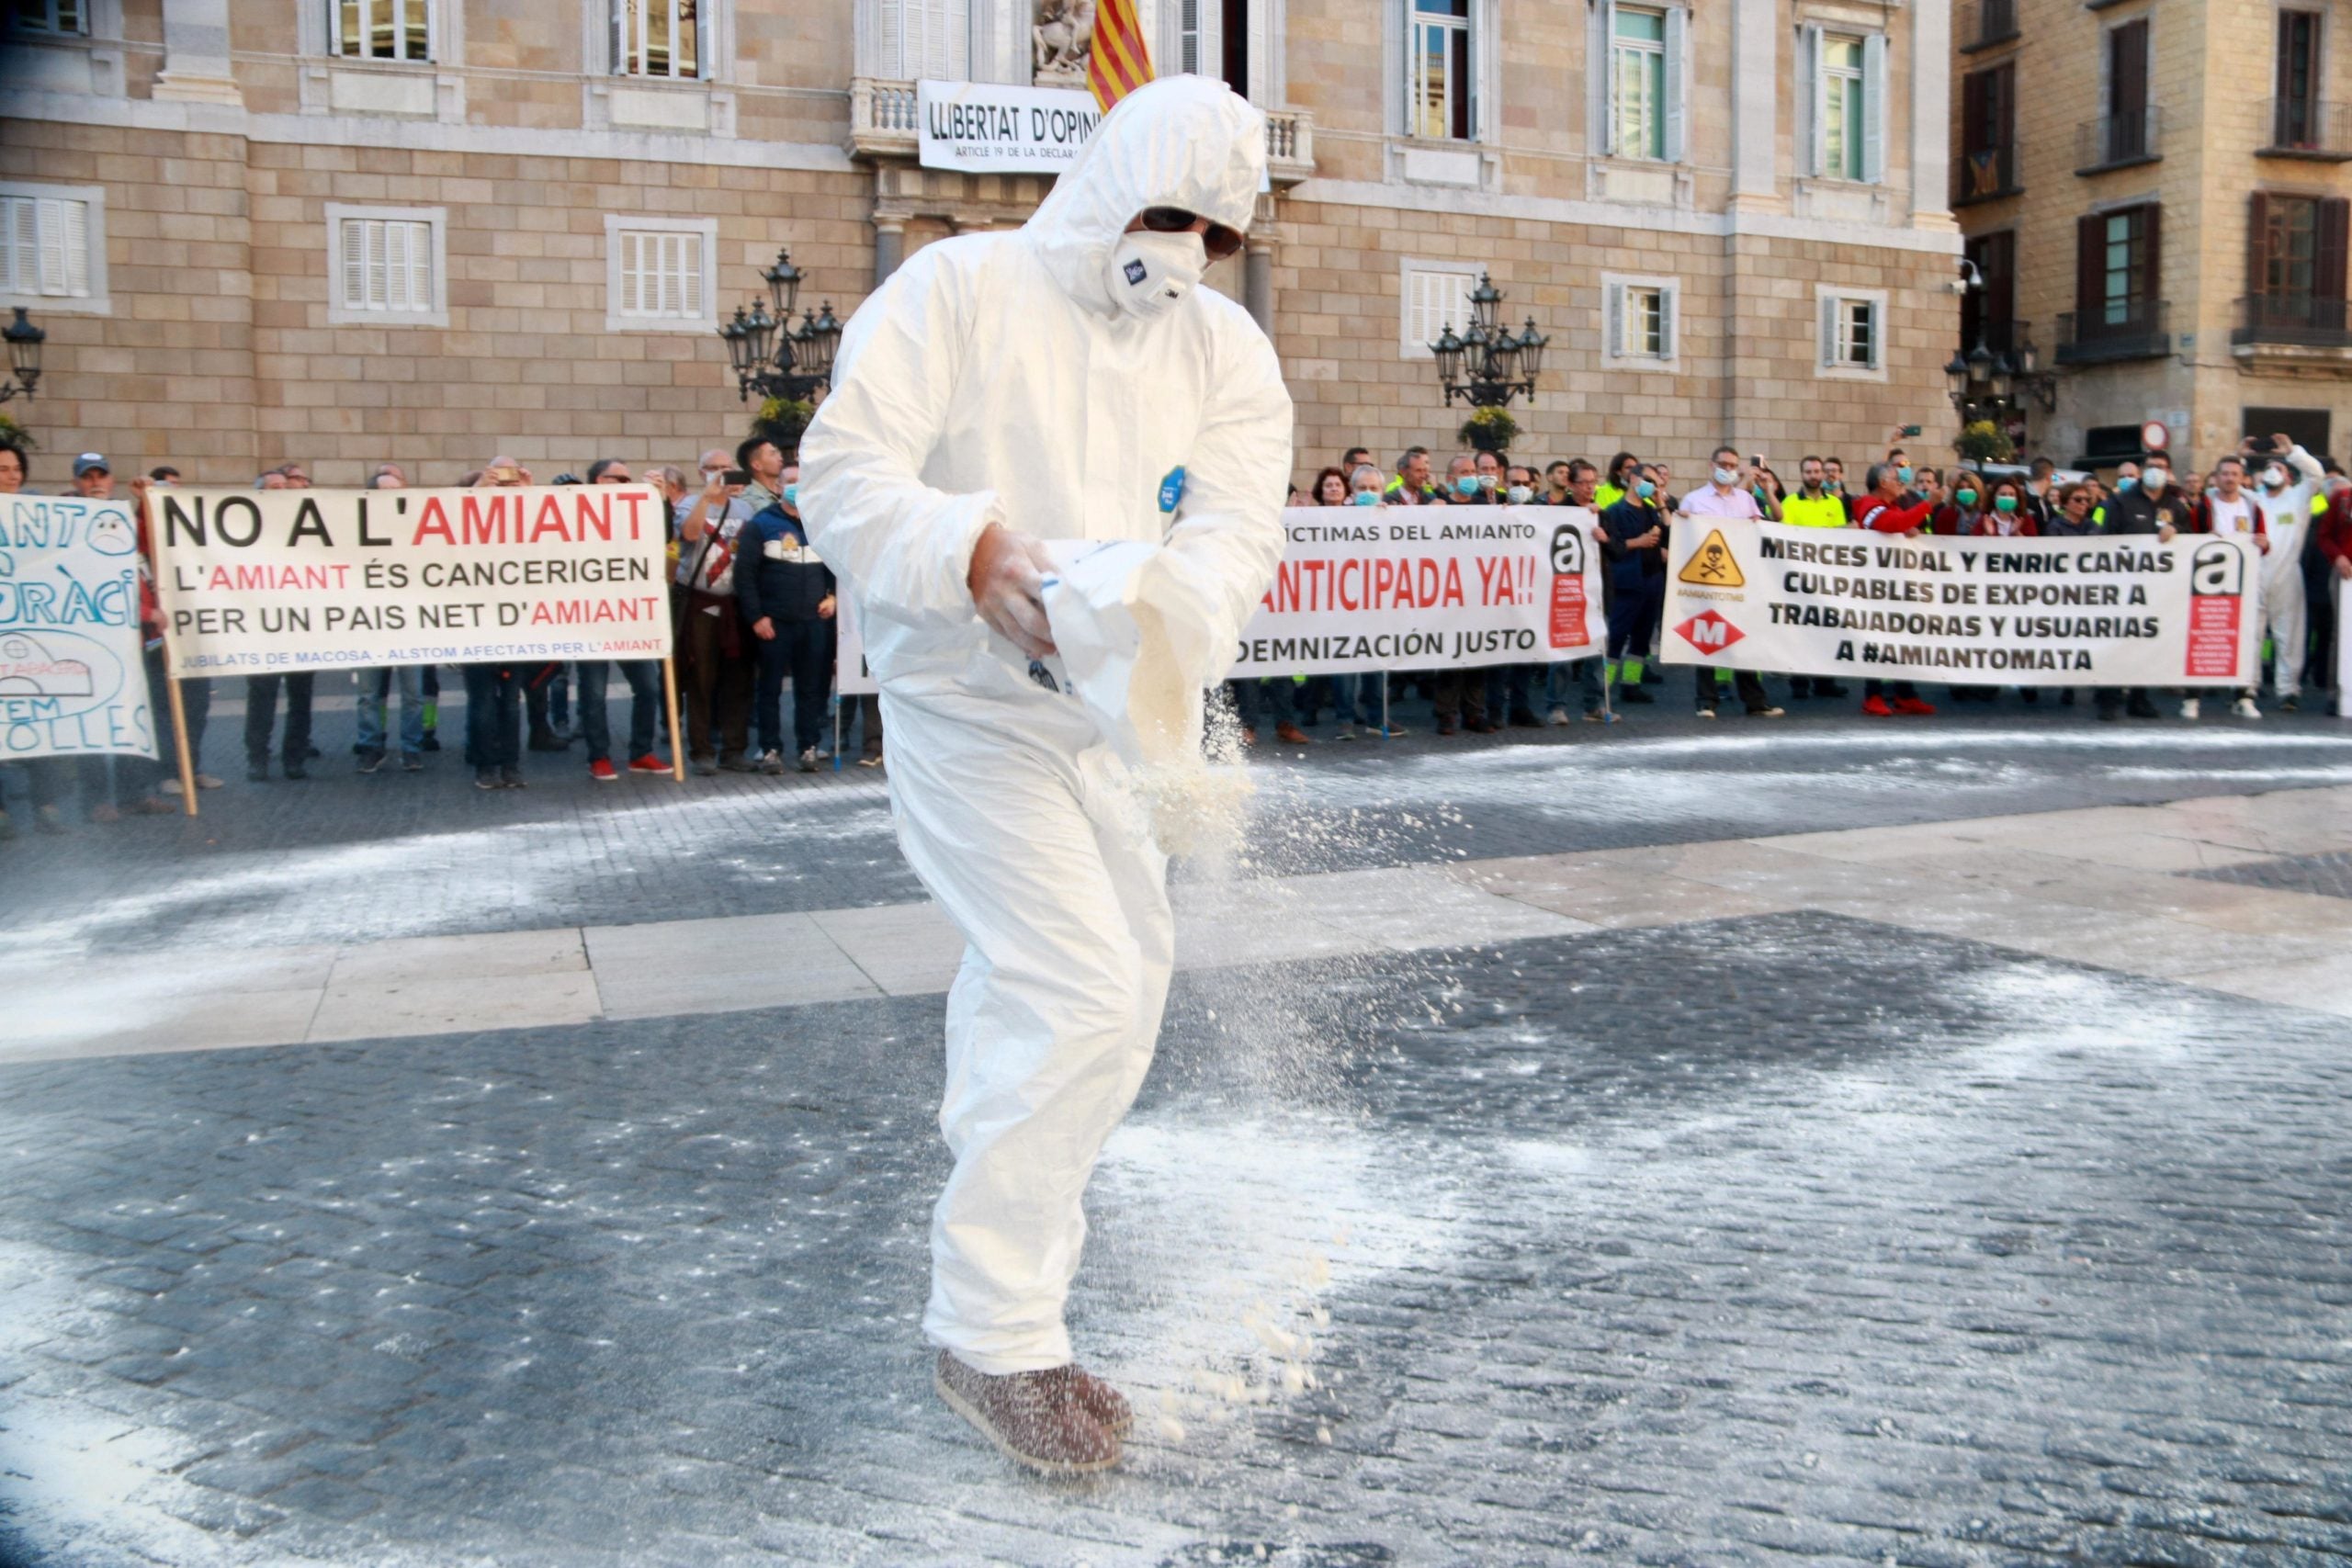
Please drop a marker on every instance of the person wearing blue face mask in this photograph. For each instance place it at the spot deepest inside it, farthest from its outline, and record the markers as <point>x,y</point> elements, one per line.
<point>785,594</point>
<point>1461,484</point>
<point>1726,495</point>
<point>1631,536</point>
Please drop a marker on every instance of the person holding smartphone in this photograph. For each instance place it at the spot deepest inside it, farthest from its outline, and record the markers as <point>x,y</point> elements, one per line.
<point>714,659</point>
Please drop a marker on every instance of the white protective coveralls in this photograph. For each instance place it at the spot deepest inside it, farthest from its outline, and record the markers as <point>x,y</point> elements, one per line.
<point>994,378</point>
<point>2287,519</point>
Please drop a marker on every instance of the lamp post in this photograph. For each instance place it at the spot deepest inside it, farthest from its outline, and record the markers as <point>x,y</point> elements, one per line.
<point>1488,365</point>
<point>24,341</point>
<point>768,355</point>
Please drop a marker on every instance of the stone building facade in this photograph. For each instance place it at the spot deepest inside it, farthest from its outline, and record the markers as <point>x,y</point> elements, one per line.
<point>346,231</point>
<point>2155,194</point>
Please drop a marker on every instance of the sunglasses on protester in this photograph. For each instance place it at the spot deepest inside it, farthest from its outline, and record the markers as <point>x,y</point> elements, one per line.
<point>1220,240</point>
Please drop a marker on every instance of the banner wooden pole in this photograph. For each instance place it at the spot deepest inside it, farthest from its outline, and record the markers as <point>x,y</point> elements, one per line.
<point>179,733</point>
<point>171,681</point>
<point>677,738</point>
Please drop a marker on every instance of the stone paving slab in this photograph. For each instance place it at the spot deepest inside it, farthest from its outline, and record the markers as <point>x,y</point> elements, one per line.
<point>344,859</point>
<point>1614,1246</point>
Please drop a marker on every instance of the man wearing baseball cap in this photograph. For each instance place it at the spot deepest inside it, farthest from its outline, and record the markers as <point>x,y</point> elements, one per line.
<point>92,463</point>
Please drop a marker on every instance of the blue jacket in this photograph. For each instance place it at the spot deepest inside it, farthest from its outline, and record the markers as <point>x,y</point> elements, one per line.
<point>777,576</point>
<point>1631,570</point>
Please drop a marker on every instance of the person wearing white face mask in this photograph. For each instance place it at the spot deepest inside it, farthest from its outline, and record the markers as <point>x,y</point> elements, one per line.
<point>2287,481</point>
<point>1726,495</point>
<point>1069,380</point>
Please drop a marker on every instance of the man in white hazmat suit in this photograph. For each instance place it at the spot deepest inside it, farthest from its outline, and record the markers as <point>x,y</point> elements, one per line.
<point>2289,478</point>
<point>1068,381</point>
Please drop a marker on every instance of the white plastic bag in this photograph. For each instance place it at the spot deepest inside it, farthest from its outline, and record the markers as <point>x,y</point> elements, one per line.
<point>1136,646</point>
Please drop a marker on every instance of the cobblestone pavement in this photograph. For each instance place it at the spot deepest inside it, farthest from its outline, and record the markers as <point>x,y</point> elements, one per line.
<point>1790,1238</point>
<point>347,859</point>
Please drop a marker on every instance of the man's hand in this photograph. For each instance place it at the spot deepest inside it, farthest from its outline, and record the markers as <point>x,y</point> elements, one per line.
<point>2262,542</point>
<point>2343,566</point>
<point>2167,532</point>
<point>825,608</point>
<point>1649,540</point>
<point>765,629</point>
<point>2282,443</point>
<point>1005,581</point>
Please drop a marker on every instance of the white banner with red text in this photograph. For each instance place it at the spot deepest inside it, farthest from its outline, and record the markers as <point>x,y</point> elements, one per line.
<point>256,580</point>
<point>1361,589</point>
<point>73,682</point>
<point>2121,610</point>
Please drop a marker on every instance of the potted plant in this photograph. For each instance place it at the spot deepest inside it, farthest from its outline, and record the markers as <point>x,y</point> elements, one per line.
<point>782,422</point>
<point>16,435</point>
<point>1984,441</point>
<point>1490,430</point>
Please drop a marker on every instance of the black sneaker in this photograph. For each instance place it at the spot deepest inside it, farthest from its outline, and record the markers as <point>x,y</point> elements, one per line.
<point>370,760</point>
<point>411,762</point>
<point>2290,703</point>
<point>431,742</point>
<point>297,771</point>
<point>545,740</point>
<point>512,778</point>
<point>1828,689</point>
<point>258,772</point>
<point>1634,694</point>
<point>2141,707</point>
<point>487,778</point>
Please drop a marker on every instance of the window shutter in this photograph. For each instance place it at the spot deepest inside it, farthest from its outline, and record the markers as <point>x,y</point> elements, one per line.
<point>1828,329</point>
<point>620,63</point>
<point>19,259</point>
<point>1676,55</point>
<point>75,227</point>
<point>1874,108</point>
<point>2257,244</point>
<point>354,264</point>
<point>2090,271</point>
<point>1666,324</point>
<point>2152,262</point>
<point>1604,61</point>
<point>48,226</point>
<point>690,274</point>
<point>1815,95</point>
<point>2328,262</point>
<point>1614,346</point>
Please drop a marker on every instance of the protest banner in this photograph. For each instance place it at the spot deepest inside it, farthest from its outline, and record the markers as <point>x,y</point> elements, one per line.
<point>264,582</point>
<point>994,128</point>
<point>1426,588</point>
<point>2123,610</point>
<point>1404,588</point>
<point>254,581</point>
<point>72,681</point>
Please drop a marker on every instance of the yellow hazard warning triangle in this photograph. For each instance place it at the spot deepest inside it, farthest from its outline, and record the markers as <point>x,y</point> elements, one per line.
<point>1710,565</point>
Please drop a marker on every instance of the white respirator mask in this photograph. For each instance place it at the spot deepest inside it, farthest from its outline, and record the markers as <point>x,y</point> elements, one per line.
<point>1149,274</point>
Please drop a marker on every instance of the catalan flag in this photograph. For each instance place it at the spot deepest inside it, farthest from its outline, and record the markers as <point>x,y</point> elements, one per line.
<point>1118,64</point>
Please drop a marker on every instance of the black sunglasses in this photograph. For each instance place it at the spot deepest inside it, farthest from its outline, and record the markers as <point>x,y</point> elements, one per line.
<point>1220,240</point>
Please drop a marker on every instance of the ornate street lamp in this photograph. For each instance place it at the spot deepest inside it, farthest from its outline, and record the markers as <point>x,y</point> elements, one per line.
<point>768,355</point>
<point>24,355</point>
<point>1487,365</point>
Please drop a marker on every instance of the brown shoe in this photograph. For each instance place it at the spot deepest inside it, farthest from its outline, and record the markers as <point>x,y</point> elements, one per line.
<point>1034,1418</point>
<point>1290,734</point>
<point>1099,1399</point>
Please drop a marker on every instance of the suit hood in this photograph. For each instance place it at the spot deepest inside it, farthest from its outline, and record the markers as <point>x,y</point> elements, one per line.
<point>1185,141</point>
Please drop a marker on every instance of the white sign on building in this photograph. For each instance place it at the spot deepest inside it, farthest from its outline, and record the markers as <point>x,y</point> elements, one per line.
<point>992,128</point>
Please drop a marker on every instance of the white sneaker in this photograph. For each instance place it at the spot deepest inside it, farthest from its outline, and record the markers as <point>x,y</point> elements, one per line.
<point>1558,715</point>
<point>169,786</point>
<point>206,781</point>
<point>2245,708</point>
<point>2189,708</point>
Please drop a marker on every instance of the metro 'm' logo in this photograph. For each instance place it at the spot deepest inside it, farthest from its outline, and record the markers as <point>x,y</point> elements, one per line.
<point>1709,632</point>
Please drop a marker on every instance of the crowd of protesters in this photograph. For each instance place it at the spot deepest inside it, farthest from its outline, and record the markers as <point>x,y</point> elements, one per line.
<point>2297,509</point>
<point>754,613</point>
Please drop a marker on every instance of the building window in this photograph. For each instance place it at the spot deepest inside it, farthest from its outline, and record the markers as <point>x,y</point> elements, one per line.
<point>1844,103</point>
<point>382,29</point>
<point>1440,102</point>
<point>1639,319</point>
<point>1987,312</point>
<point>2128,132</point>
<point>926,41</point>
<point>2295,115</point>
<point>1637,79</point>
<point>1434,296</point>
<point>390,266</point>
<point>68,17</point>
<point>44,247</point>
<point>661,274</point>
<point>1841,123</point>
<point>1854,327</point>
<point>658,38</point>
<point>2124,253</point>
<point>1988,133</point>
